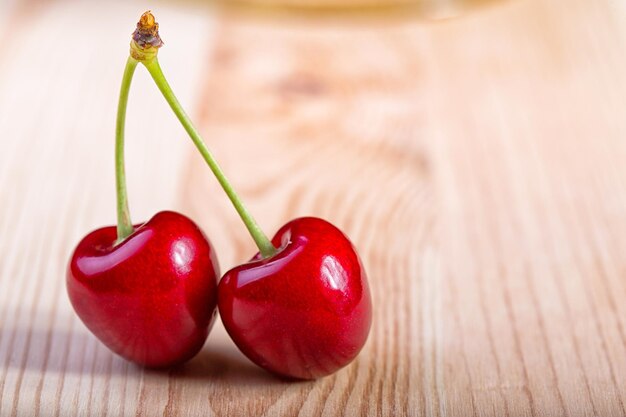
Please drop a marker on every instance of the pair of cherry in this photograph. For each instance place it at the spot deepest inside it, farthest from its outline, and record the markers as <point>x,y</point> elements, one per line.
<point>299,308</point>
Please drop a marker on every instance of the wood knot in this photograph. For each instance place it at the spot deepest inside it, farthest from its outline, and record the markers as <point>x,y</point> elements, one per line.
<point>302,84</point>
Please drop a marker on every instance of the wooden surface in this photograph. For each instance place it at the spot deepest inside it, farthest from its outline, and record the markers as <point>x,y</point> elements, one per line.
<point>478,163</point>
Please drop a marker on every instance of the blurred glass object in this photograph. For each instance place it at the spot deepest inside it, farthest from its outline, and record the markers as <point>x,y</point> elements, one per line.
<point>431,9</point>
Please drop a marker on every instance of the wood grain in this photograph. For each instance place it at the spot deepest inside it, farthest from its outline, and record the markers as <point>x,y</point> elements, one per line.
<point>476,163</point>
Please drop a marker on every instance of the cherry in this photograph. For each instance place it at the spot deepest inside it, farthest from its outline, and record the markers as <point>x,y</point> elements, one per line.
<point>148,292</point>
<point>304,312</point>
<point>151,298</point>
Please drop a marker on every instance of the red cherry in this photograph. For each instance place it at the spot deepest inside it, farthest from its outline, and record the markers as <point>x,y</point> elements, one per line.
<point>304,312</point>
<point>152,298</point>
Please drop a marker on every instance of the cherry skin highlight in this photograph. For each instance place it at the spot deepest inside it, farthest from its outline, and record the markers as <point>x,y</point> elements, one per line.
<point>304,312</point>
<point>151,298</point>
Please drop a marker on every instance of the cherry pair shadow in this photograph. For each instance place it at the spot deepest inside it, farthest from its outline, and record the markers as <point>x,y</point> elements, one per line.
<point>76,351</point>
<point>226,365</point>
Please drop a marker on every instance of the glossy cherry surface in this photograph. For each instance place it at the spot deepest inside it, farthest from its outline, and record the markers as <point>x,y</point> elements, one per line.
<point>304,312</point>
<point>151,298</point>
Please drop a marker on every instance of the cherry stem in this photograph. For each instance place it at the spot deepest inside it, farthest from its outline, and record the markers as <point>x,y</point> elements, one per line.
<point>264,244</point>
<point>124,224</point>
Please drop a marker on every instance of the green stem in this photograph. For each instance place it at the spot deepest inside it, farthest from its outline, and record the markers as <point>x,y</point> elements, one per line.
<point>264,244</point>
<point>124,224</point>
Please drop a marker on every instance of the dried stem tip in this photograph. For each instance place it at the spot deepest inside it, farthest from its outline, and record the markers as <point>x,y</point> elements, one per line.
<point>147,21</point>
<point>147,33</point>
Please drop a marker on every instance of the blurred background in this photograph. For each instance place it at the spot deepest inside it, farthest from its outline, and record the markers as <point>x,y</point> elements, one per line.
<point>472,150</point>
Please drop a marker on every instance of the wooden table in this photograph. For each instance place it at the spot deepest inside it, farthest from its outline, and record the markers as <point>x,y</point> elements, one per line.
<point>478,163</point>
